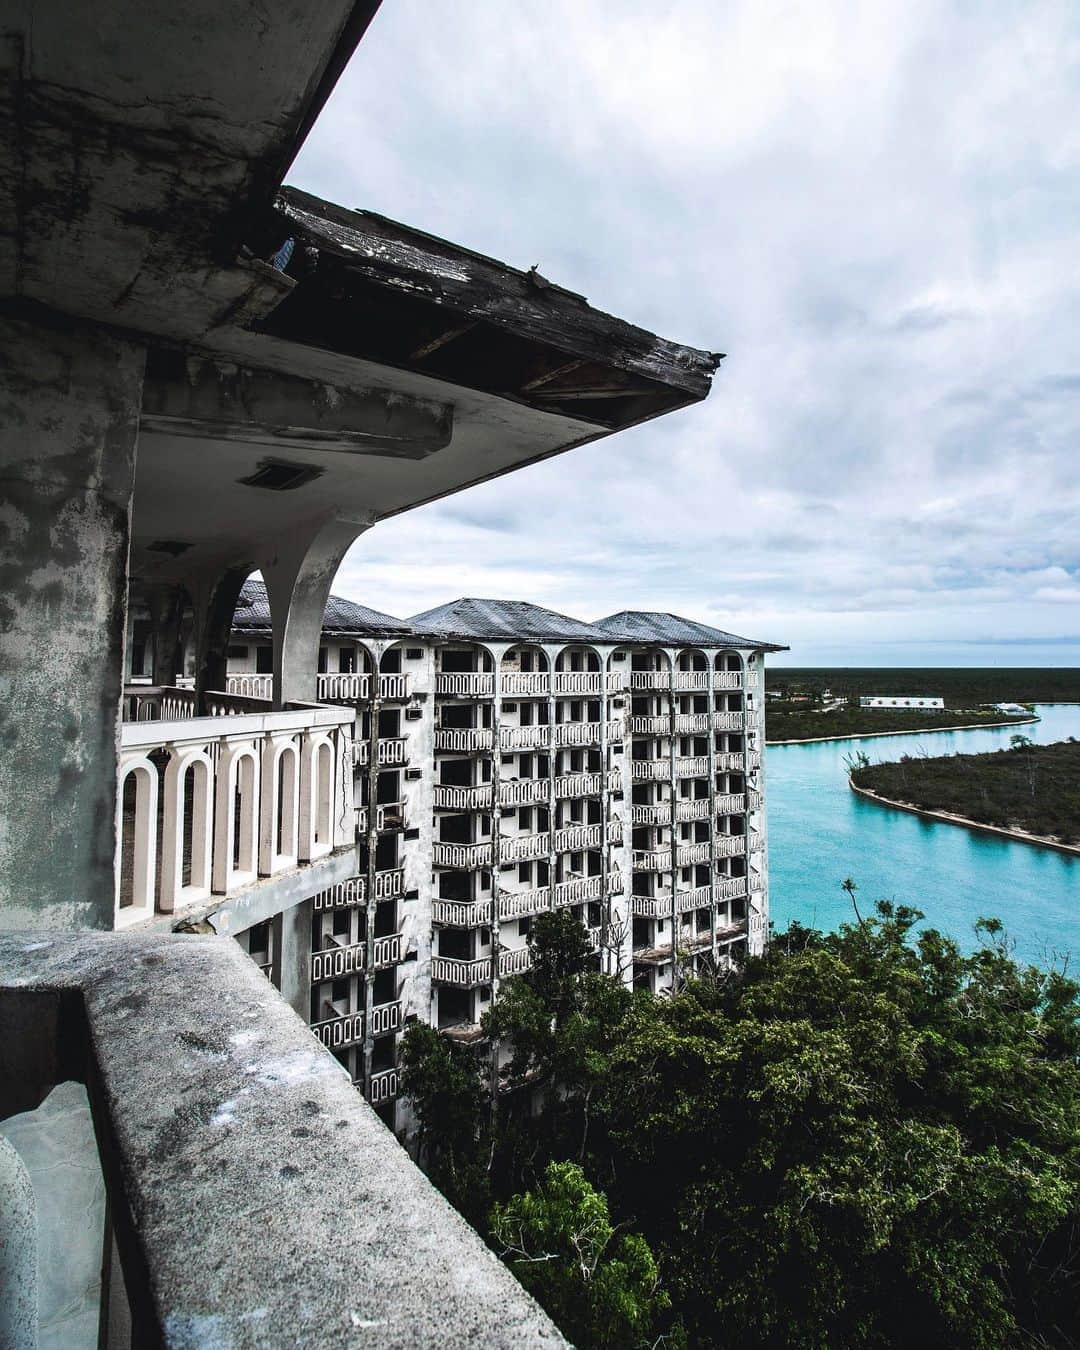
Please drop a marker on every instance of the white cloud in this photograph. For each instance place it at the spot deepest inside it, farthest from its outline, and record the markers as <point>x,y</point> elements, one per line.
<point>872,209</point>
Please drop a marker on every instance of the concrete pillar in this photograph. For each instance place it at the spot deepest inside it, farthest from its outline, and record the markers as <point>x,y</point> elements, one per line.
<point>299,572</point>
<point>214,599</point>
<point>71,403</point>
<point>18,1253</point>
<point>165,604</point>
<point>294,958</point>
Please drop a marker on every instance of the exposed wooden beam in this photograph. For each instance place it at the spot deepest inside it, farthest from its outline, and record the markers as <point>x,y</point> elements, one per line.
<point>601,391</point>
<point>552,374</point>
<point>433,346</point>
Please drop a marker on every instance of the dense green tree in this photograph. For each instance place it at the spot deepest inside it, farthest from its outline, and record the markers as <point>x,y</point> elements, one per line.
<point>602,1288</point>
<point>865,1138</point>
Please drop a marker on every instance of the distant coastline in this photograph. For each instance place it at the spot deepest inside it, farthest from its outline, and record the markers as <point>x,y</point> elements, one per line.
<point>949,818</point>
<point>867,735</point>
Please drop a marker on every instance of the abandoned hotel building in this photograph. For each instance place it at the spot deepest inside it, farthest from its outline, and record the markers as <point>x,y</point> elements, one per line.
<point>206,375</point>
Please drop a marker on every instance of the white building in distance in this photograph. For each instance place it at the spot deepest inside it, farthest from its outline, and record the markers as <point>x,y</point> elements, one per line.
<point>509,761</point>
<point>912,702</point>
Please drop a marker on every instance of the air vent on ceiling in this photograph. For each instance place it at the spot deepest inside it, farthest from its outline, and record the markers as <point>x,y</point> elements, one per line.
<point>278,475</point>
<point>172,546</point>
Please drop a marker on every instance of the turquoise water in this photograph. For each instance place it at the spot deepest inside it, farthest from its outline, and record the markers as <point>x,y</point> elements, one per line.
<point>820,832</point>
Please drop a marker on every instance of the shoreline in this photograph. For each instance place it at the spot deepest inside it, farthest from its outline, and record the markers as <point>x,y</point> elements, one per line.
<point>949,818</point>
<point>869,735</point>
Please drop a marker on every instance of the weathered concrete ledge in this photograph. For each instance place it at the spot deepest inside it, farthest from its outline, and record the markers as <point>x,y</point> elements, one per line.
<point>257,1199</point>
<point>950,818</point>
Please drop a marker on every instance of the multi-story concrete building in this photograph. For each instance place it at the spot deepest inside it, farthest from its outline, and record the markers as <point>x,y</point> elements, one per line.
<point>511,760</point>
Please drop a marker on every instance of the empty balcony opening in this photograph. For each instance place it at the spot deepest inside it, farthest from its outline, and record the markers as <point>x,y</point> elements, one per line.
<point>244,841</point>
<point>386,853</point>
<point>455,886</point>
<point>456,772</point>
<point>728,661</point>
<point>386,918</point>
<point>455,1007</point>
<point>384,987</point>
<point>390,664</point>
<point>642,935</point>
<point>524,926</point>
<point>464,716</point>
<point>388,787</point>
<point>390,722</point>
<point>692,660</point>
<point>457,829</point>
<point>595,914</point>
<point>465,660</point>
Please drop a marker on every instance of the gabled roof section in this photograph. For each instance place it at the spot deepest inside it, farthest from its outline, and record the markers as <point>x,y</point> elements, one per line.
<point>670,630</point>
<point>342,616</point>
<point>372,288</point>
<point>510,620</point>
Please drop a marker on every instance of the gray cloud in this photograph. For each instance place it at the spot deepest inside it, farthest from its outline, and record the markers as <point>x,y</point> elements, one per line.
<point>872,209</point>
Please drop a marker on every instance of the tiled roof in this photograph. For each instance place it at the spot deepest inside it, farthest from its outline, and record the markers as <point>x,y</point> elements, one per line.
<point>635,625</point>
<point>508,619</point>
<point>342,616</point>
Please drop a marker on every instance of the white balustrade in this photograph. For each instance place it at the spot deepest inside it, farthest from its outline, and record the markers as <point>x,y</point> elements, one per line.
<point>652,860</point>
<point>352,687</point>
<point>464,857</point>
<point>690,681</point>
<point>651,815</point>
<point>578,890</point>
<point>525,683</point>
<point>649,679</point>
<point>730,803</point>
<point>250,686</point>
<point>727,761</point>
<point>686,855</point>
<point>383,1086</point>
<point>730,845</point>
<point>574,837</point>
<point>577,733</point>
<point>463,739</point>
<point>728,721</point>
<point>157,703</point>
<point>692,766</point>
<point>521,904</point>
<point>650,726</point>
<point>649,770</point>
<point>688,724</point>
<point>571,682</point>
<point>753,759</point>
<point>463,974</point>
<point>515,962</point>
<point>536,737</point>
<point>727,679</point>
<point>524,847</point>
<point>238,797</point>
<point>449,798</point>
<point>523,791</point>
<point>352,893</point>
<point>692,808</point>
<point>461,913</point>
<point>385,1017</point>
<point>338,1033</point>
<point>465,684</point>
<point>754,800</point>
<point>334,963</point>
<point>586,784</point>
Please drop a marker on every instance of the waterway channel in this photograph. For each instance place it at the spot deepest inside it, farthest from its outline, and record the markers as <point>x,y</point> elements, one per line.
<point>820,832</point>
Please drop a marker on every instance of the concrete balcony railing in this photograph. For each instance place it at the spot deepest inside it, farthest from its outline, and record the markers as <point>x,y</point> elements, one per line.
<point>652,860</point>
<point>754,801</point>
<point>464,740</point>
<point>524,904</point>
<point>687,855</point>
<point>727,679</point>
<point>569,683</point>
<point>449,798</point>
<point>580,890</point>
<point>650,770</point>
<point>572,838</point>
<point>524,791</point>
<point>391,750</point>
<point>158,703</point>
<point>653,725</point>
<point>650,679</point>
<point>382,1086</point>
<point>198,1099</point>
<point>662,953</point>
<point>358,687</point>
<point>515,961</point>
<point>588,784</point>
<point>730,845</point>
<point>465,684</point>
<point>655,815</point>
<point>692,766</point>
<point>753,759</point>
<point>729,761</point>
<point>525,683</point>
<point>461,913</point>
<point>728,721</point>
<point>386,1018</point>
<point>536,737</point>
<point>341,1031</point>
<point>693,808</point>
<point>730,803</point>
<point>464,974</point>
<point>524,847</point>
<point>335,962</point>
<point>463,857</point>
<point>250,686</point>
<point>352,893</point>
<point>210,805</point>
<point>389,816</point>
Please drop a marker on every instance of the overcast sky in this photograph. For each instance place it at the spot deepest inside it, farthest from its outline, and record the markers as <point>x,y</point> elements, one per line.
<point>873,208</point>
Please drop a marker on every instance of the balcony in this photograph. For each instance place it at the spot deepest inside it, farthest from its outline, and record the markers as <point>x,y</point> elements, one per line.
<point>523,791</point>
<point>335,962</point>
<point>588,784</point>
<point>383,1086</point>
<point>463,857</point>
<point>652,859</point>
<point>588,733</point>
<point>202,1078</point>
<point>649,679</point>
<point>580,890</point>
<point>753,759</point>
<point>515,961</point>
<point>391,750</point>
<point>569,683</point>
<point>524,904</point>
<point>573,838</point>
<point>461,913</point>
<point>340,1031</point>
<point>357,687</point>
<point>692,766</point>
<point>525,683</point>
<point>754,801</point>
<point>460,973</point>
<point>536,737</point>
<point>661,954</point>
<point>389,817</point>
<point>352,893</point>
<point>693,808</point>
<point>728,721</point>
<point>650,770</point>
<point>730,845</point>
<point>731,803</point>
<point>464,740</point>
<point>727,761</point>
<point>465,684</point>
<point>524,847</point>
<point>447,798</point>
<point>655,815</point>
<point>651,725</point>
<point>209,806</point>
<point>727,679</point>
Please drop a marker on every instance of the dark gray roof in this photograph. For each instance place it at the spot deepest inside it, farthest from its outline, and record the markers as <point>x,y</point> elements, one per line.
<point>508,619</point>
<point>342,616</point>
<point>636,625</point>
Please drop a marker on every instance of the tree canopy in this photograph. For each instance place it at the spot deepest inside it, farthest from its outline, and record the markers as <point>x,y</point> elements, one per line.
<point>864,1138</point>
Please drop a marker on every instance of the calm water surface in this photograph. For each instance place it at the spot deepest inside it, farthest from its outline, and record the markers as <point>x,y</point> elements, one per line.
<point>820,832</point>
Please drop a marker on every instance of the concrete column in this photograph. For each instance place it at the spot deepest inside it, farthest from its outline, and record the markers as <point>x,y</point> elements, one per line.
<point>294,958</point>
<point>214,599</point>
<point>299,572</point>
<point>67,467</point>
<point>165,604</point>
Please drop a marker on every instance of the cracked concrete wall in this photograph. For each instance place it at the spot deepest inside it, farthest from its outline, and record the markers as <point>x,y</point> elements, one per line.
<point>69,410</point>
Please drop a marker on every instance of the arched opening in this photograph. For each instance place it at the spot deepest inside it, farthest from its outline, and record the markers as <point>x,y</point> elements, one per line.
<point>137,842</point>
